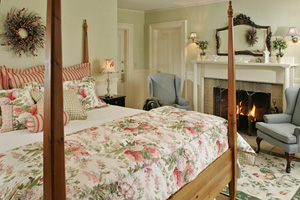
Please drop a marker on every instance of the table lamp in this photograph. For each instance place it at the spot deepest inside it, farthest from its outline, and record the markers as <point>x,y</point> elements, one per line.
<point>108,67</point>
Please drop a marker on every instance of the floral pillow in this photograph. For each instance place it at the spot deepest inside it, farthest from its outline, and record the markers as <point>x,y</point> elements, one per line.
<point>15,117</point>
<point>32,86</point>
<point>18,97</point>
<point>86,93</point>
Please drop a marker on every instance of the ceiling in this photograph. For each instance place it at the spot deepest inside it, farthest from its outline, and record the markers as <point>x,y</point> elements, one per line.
<point>148,5</point>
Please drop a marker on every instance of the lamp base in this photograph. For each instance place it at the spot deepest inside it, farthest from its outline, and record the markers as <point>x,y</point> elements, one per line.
<point>109,95</point>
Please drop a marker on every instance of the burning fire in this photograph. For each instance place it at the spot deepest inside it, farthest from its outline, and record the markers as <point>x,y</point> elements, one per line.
<point>239,110</point>
<point>252,112</point>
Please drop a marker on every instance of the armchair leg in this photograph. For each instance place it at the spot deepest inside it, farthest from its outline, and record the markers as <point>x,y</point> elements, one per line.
<point>258,141</point>
<point>289,158</point>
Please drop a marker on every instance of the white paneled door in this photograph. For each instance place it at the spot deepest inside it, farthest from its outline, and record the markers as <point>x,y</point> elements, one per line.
<point>124,62</point>
<point>168,48</point>
<point>121,63</point>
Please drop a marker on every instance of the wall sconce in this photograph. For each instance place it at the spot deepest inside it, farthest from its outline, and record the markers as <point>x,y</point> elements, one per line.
<point>293,32</point>
<point>193,36</point>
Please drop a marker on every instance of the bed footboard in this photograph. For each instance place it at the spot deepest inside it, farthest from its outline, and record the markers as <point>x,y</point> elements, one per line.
<point>209,183</point>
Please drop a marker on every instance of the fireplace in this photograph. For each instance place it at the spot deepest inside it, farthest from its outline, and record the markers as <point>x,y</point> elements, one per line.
<point>251,107</point>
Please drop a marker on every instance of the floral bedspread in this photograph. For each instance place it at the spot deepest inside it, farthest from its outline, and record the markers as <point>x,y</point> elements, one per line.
<point>150,155</point>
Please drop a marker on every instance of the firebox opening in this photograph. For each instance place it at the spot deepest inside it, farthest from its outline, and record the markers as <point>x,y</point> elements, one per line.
<point>251,107</point>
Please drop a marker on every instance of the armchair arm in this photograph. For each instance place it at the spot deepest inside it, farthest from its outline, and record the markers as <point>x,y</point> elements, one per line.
<point>277,118</point>
<point>297,131</point>
<point>182,101</point>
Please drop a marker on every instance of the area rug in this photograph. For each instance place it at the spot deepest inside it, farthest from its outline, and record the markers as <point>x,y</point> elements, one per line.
<point>267,180</point>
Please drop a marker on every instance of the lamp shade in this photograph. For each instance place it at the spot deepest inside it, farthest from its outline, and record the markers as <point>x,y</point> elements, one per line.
<point>193,35</point>
<point>292,31</point>
<point>108,66</point>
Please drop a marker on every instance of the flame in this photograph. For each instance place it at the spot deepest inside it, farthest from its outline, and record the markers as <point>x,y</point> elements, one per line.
<point>252,112</point>
<point>241,109</point>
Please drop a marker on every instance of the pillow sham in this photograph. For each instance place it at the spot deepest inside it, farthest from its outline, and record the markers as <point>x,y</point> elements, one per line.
<point>77,72</point>
<point>85,92</point>
<point>6,71</point>
<point>15,80</point>
<point>15,117</point>
<point>36,122</point>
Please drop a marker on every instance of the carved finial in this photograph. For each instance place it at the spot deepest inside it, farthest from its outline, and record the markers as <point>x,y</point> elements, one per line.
<point>230,11</point>
<point>85,24</point>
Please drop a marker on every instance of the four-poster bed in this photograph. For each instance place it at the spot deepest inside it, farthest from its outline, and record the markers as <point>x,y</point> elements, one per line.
<point>220,172</point>
<point>186,129</point>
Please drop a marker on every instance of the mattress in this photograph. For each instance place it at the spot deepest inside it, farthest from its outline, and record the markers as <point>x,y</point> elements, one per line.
<point>149,155</point>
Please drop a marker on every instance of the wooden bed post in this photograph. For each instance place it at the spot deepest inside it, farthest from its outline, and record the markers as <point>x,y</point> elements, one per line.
<point>86,45</point>
<point>232,133</point>
<point>54,148</point>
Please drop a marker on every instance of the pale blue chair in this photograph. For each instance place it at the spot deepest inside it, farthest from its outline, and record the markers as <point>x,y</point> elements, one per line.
<point>166,87</point>
<point>283,130</point>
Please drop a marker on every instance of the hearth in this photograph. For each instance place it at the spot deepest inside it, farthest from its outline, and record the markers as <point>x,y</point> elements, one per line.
<point>251,107</point>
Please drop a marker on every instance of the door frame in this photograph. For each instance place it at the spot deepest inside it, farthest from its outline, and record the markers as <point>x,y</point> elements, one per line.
<point>129,64</point>
<point>182,24</point>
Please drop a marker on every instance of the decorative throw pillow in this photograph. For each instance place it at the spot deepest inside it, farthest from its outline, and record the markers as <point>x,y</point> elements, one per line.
<point>18,97</point>
<point>37,95</point>
<point>32,86</point>
<point>36,122</point>
<point>15,117</point>
<point>40,106</point>
<point>72,106</point>
<point>85,92</point>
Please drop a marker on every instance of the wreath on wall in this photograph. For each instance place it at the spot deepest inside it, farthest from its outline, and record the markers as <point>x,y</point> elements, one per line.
<point>251,37</point>
<point>24,32</point>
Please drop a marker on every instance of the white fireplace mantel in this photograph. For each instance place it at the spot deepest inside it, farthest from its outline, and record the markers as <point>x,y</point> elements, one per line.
<point>253,72</point>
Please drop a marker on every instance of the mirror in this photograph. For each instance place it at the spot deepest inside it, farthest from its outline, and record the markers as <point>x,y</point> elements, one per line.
<point>249,38</point>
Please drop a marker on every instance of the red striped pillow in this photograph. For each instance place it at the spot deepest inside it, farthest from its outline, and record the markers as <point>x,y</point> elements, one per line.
<point>1,80</point>
<point>6,71</point>
<point>77,72</point>
<point>15,80</point>
<point>36,122</point>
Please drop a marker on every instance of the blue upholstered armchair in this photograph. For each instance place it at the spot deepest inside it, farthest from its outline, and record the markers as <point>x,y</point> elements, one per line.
<point>166,87</point>
<point>283,130</point>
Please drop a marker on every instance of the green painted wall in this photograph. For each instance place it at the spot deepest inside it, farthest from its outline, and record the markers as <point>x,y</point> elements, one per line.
<point>205,19</point>
<point>101,16</point>
<point>138,20</point>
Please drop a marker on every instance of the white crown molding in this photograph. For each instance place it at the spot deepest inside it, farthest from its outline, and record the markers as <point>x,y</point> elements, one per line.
<point>185,6</point>
<point>128,10</point>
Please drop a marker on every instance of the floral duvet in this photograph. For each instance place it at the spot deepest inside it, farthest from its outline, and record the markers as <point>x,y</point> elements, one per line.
<point>150,155</point>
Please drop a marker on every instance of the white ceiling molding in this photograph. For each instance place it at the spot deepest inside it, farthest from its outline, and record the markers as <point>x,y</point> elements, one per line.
<point>154,5</point>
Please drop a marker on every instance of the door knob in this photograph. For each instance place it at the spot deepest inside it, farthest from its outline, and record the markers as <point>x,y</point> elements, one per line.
<point>122,76</point>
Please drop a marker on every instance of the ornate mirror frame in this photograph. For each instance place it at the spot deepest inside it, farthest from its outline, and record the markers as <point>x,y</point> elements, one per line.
<point>242,19</point>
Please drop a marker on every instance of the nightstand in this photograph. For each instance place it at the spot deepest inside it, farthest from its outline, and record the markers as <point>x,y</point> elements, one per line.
<point>115,100</point>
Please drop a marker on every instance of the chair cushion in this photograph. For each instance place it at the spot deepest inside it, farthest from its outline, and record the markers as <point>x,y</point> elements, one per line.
<point>296,115</point>
<point>164,87</point>
<point>283,132</point>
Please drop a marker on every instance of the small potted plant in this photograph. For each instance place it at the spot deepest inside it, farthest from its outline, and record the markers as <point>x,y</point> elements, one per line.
<point>203,46</point>
<point>279,44</point>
